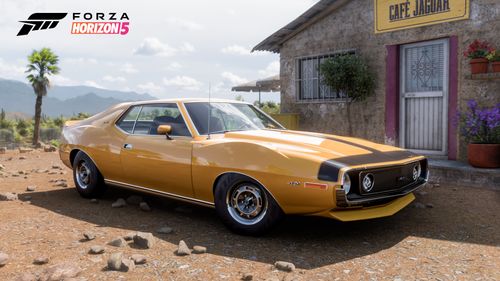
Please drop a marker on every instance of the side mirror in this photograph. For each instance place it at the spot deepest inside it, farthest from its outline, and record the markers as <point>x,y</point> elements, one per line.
<point>164,130</point>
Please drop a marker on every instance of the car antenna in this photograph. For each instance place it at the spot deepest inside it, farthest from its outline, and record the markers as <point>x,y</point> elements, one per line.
<point>209,110</point>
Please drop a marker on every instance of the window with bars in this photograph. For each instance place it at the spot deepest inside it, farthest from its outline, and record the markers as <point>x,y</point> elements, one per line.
<point>309,82</point>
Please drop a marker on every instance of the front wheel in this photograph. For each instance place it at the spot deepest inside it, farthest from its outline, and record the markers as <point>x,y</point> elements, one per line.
<point>245,206</point>
<point>88,180</point>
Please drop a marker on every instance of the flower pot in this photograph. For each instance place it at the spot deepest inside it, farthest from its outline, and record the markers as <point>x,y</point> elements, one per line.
<point>484,155</point>
<point>495,66</point>
<point>479,65</point>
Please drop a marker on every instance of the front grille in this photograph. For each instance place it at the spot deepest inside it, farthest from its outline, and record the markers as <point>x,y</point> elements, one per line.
<point>386,180</point>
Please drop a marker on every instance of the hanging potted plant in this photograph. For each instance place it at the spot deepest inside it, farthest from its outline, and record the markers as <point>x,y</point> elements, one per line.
<point>494,57</point>
<point>481,128</point>
<point>477,53</point>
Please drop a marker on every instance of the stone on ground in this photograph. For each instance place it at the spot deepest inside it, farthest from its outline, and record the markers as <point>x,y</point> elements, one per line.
<point>284,266</point>
<point>127,265</point>
<point>183,249</point>
<point>88,235</point>
<point>119,203</point>
<point>247,277</point>
<point>115,261</point>
<point>41,260</point>
<point>8,196</point>
<point>134,200</point>
<point>61,271</point>
<point>4,258</point>
<point>145,207</point>
<point>31,188</point>
<point>118,242</point>
<point>164,230</point>
<point>139,259</point>
<point>129,236</point>
<point>199,250</point>
<point>96,249</point>
<point>27,277</point>
<point>144,240</point>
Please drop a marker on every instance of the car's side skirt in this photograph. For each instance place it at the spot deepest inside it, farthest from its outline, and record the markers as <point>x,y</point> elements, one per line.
<point>160,193</point>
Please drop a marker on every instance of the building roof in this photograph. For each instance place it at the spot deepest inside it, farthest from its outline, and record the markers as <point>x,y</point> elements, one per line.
<point>269,84</point>
<point>321,9</point>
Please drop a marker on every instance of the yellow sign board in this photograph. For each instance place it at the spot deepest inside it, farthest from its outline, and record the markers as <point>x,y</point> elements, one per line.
<point>393,15</point>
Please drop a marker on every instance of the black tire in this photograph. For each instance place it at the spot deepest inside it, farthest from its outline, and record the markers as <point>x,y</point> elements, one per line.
<point>233,186</point>
<point>91,186</point>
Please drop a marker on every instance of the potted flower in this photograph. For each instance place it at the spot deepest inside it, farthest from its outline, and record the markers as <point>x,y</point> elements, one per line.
<point>477,53</point>
<point>481,128</point>
<point>494,57</point>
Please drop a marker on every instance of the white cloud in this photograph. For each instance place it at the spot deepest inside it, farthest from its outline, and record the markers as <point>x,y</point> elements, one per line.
<point>183,82</point>
<point>94,84</point>
<point>150,87</point>
<point>11,71</point>
<point>110,78</point>
<point>187,47</point>
<point>174,66</point>
<point>185,24</point>
<point>61,80</point>
<point>79,60</point>
<point>272,68</point>
<point>240,50</point>
<point>152,46</point>
<point>233,78</point>
<point>128,68</point>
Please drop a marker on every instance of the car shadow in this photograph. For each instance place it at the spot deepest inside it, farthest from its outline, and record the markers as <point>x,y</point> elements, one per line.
<point>308,242</point>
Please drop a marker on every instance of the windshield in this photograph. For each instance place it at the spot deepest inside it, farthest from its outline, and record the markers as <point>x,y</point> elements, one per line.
<point>225,117</point>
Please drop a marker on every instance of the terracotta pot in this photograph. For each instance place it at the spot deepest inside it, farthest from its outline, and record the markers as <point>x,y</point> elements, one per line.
<point>496,66</point>
<point>484,155</point>
<point>479,65</point>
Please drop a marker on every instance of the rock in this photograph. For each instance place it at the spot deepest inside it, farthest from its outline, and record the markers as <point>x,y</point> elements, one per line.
<point>284,266</point>
<point>182,249</point>
<point>144,240</point>
<point>3,150</point>
<point>436,185</point>
<point>96,249</point>
<point>49,148</point>
<point>27,277</point>
<point>42,171</point>
<point>52,172</point>
<point>134,200</point>
<point>145,207</point>
<point>115,261</point>
<point>129,236</point>
<point>88,235</point>
<point>164,230</point>
<point>56,167</point>
<point>4,258</point>
<point>60,183</point>
<point>247,277</point>
<point>22,157</point>
<point>41,260</point>
<point>429,205</point>
<point>419,205</point>
<point>139,259</point>
<point>94,201</point>
<point>2,167</point>
<point>25,150</point>
<point>199,250</point>
<point>31,188</point>
<point>118,242</point>
<point>63,271</point>
<point>120,203</point>
<point>8,196</point>
<point>127,265</point>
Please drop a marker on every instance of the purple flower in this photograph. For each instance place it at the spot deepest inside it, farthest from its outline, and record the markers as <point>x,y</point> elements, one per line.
<point>480,124</point>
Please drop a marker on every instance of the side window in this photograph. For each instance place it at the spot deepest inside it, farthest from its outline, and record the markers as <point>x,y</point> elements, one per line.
<point>127,121</point>
<point>152,116</point>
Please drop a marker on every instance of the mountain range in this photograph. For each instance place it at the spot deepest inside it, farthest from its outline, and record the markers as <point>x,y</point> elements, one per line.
<point>16,96</point>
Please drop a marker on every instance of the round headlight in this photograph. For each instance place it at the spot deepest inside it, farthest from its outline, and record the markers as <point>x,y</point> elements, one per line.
<point>346,183</point>
<point>416,171</point>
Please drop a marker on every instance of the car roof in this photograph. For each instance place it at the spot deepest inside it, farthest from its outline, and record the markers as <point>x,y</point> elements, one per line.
<point>186,100</point>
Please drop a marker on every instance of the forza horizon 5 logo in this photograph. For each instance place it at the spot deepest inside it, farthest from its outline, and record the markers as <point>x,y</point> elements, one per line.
<point>83,23</point>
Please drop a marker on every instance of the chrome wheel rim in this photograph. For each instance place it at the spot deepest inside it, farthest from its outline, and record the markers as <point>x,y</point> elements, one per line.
<point>247,204</point>
<point>83,175</point>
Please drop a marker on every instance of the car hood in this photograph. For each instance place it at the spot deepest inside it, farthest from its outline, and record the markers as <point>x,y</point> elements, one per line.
<point>345,151</point>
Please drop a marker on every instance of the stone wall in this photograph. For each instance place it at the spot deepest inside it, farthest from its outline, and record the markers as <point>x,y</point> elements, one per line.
<point>352,27</point>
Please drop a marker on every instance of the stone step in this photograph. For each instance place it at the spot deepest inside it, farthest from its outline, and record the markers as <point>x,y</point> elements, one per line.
<point>462,174</point>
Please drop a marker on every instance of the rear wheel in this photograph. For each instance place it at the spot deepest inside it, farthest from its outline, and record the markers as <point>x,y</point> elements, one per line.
<point>245,206</point>
<point>88,180</point>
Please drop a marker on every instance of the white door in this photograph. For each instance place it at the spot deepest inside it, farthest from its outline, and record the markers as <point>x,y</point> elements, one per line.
<point>424,97</point>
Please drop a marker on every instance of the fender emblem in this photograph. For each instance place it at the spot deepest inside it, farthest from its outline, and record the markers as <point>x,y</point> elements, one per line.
<point>294,183</point>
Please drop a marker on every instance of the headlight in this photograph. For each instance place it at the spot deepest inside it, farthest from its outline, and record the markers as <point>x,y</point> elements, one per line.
<point>417,170</point>
<point>346,183</point>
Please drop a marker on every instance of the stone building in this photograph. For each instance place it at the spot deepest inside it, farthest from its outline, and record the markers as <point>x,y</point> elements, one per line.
<point>415,50</point>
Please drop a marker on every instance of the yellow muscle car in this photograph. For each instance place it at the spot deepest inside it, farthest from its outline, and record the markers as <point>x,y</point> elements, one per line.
<point>232,156</point>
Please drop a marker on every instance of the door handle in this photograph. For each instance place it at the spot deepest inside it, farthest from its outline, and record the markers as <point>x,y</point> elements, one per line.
<point>127,146</point>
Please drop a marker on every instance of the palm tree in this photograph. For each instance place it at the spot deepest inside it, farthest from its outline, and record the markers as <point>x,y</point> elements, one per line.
<point>41,64</point>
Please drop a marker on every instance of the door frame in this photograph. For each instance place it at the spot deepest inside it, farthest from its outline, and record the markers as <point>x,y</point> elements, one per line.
<point>446,84</point>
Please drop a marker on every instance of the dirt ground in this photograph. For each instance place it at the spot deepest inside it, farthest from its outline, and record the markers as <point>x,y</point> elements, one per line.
<point>454,234</point>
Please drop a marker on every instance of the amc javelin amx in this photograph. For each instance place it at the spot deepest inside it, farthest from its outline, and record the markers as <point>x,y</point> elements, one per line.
<point>232,156</point>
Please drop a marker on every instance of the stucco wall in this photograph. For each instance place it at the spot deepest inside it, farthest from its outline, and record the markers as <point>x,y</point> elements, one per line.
<point>352,27</point>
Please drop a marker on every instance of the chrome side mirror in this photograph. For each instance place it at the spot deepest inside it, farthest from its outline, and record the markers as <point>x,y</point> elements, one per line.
<point>164,130</point>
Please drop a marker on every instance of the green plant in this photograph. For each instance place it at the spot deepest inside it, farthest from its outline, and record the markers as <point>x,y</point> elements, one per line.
<point>41,64</point>
<point>478,49</point>
<point>493,56</point>
<point>349,75</point>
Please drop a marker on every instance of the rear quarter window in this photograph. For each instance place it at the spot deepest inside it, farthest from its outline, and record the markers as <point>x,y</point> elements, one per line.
<point>127,121</point>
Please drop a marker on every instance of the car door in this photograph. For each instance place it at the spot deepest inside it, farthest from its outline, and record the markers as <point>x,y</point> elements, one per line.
<point>151,161</point>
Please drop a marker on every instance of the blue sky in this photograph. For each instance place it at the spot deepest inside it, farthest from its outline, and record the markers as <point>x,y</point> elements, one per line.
<point>173,49</point>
